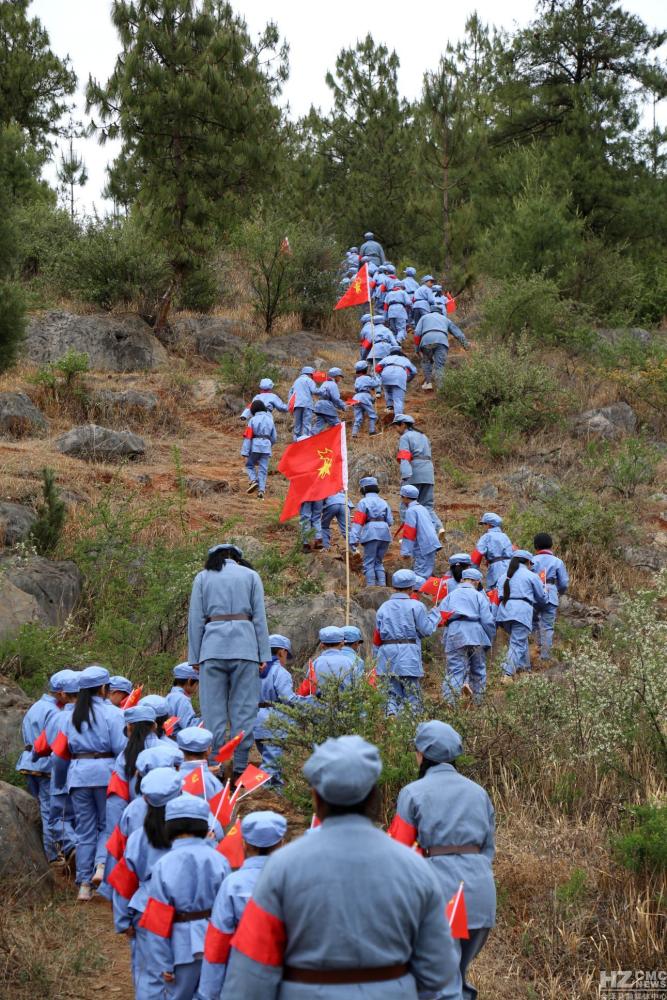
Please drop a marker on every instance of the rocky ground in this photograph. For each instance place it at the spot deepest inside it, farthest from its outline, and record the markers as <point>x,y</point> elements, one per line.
<point>156,423</point>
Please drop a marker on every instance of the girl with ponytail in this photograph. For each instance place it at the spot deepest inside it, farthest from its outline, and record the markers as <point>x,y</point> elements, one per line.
<point>521,594</point>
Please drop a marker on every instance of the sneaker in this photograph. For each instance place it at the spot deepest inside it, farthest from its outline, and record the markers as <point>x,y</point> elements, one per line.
<point>427,385</point>
<point>98,877</point>
<point>85,893</point>
<point>252,488</point>
<point>260,494</point>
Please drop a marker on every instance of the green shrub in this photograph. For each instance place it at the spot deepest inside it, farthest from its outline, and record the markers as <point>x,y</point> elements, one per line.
<point>244,373</point>
<point>199,291</point>
<point>572,517</point>
<point>524,306</point>
<point>115,264</point>
<point>12,323</point>
<point>643,844</point>
<point>505,391</point>
<point>633,463</point>
<point>51,513</point>
<point>60,379</point>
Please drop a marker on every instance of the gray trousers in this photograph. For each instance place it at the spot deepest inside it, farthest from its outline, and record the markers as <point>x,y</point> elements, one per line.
<point>229,695</point>
<point>435,359</point>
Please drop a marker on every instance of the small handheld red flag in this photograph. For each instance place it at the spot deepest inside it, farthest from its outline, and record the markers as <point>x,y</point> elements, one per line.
<point>358,291</point>
<point>226,752</point>
<point>372,679</point>
<point>170,724</point>
<point>451,303</point>
<point>221,806</point>
<point>231,846</point>
<point>133,698</point>
<point>316,468</point>
<point>458,915</point>
<point>251,779</point>
<point>309,683</point>
<point>194,783</point>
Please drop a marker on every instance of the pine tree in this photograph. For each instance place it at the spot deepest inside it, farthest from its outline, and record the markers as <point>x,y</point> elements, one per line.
<point>51,514</point>
<point>72,169</point>
<point>193,100</point>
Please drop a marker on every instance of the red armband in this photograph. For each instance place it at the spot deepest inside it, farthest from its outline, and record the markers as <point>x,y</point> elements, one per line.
<point>366,344</point>
<point>402,831</point>
<point>123,880</point>
<point>248,433</point>
<point>476,557</point>
<point>118,787</point>
<point>158,918</point>
<point>403,456</point>
<point>60,747</point>
<point>409,532</point>
<point>359,517</point>
<point>378,368</point>
<point>386,307</point>
<point>416,340</point>
<point>115,845</point>
<point>217,945</point>
<point>260,936</point>
<point>41,747</point>
<point>377,640</point>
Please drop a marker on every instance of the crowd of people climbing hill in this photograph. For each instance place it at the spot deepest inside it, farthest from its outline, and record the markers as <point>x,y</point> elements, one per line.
<point>131,785</point>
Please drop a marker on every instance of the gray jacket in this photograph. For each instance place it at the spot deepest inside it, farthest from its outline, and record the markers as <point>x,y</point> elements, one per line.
<point>234,590</point>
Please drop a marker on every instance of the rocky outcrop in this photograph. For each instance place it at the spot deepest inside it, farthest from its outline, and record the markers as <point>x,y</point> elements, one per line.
<point>19,417</point>
<point>21,852</point>
<point>112,343</point>
<point>55,586</point>
<point>301,618</point>
<point>123,400</point>
<point>618,334</point>
<point>651,557</point>
<point>383,467</point>
<point>607,422</point>
<point>530,483</point>
<point>101,444</point>
<point>14,703</point>
<point>213,336</point>
<point>15,522</point>
<point>17,608</point>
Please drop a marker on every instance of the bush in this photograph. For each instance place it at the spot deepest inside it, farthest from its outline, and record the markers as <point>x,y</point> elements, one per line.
<point>199,291</point>
<point>12,323</point>
<point>524,306</point>
<point>632,464</point>
<point>60,380</point>
<point>507,392</point>
<point>575,520</point>
<point>245,373</point>
<point>51,514</point>
<point>115,264</point>
<point>643,845</point>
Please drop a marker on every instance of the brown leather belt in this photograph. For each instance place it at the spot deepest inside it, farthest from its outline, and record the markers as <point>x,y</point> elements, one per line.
<point>438,852</point>
<point>339,977</point>
<point>93,756</point>
<point>35,774</point>
<point>399,642</point>
<point>228,618</point>
<point>183,917</point>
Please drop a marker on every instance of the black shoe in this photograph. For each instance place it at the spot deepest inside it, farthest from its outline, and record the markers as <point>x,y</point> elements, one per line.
<point>252,488</point>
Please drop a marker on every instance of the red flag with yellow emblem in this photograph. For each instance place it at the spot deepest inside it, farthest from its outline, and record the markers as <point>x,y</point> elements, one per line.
<point>358,291</point>
<point>316,468</point>
<point>231,846</point>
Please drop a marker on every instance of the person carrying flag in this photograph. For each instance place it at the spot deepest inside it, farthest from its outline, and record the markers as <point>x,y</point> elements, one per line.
<point>196,743</point>
<point>345,912</point>
<point>262,833</point>
<point>453,821</point>
<point>119,688</point>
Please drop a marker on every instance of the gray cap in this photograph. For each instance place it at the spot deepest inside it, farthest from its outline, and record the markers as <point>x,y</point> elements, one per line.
<point>438,741</point>
<point>403,418</point>
<point>343,771</point>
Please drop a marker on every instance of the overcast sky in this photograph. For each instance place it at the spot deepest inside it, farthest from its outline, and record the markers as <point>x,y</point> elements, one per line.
<point>316,32</point>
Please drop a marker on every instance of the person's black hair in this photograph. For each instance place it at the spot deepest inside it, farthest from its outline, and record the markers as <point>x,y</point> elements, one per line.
<point>155,827</point>
<point>511,570</point>
<point>543,540</point>
<point>369,489</point>
<point>159,722</point>
<point>137,785</point>
<point>426,765</point>
<point>179,682</point>
<point>83,709</point>
<point>218,559</point>
<point>369,807</point>
<point>186,825</point>
<point>258,406</point>
<point>263,852</point>
<point>276,649</point>
<point>457,570</point>
<point>136,742</point>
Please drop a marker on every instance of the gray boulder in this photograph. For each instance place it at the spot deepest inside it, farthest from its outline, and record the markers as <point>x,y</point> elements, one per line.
<point>530,483</point>
<point>367,463</point>
<point>213,336</point>
<point>14,703</point>
<point>488,491</point>
<point>205,487</point>
<point>100,444</point>
<point>124,399</point>
<point>19,416</point>
<point>55,586</point>
<point>17,608</point>
<point>607,422</point>
<point>301,618</point>
<point>372,597</point>
<point>112,343</point>
<point>294,345</point>
<point>651,557</point>
<point>21,852</point>
<point>15,522</point>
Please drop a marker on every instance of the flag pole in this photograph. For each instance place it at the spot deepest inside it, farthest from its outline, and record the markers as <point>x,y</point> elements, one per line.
<point>343,445</point>
<point>370,306</point>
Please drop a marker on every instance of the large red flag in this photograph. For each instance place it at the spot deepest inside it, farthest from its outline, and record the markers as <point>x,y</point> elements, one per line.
<point>316,468</point>
<point>358,291</point>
